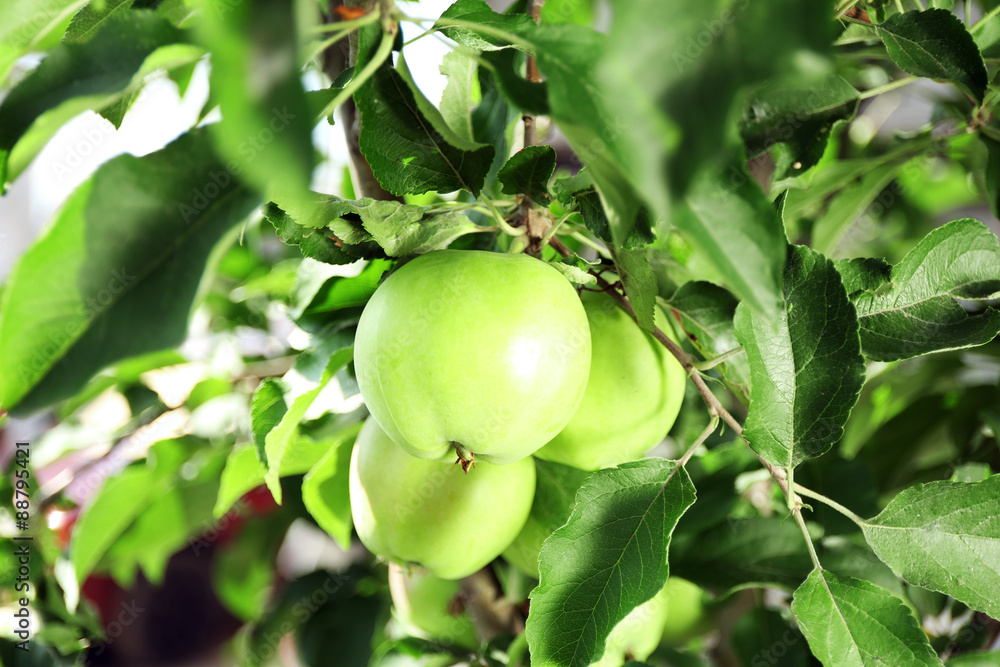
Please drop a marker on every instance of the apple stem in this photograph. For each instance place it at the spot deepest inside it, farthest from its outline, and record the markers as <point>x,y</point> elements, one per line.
<point>465,457</point>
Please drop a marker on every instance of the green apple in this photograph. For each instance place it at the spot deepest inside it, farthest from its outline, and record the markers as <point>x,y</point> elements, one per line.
<point>687,617</point>
<point>555,493</point>
<point>425,607</point>
<point>633,395</point>
<point>638,634</point>
<point>416,512</point>
<point>477,353</point>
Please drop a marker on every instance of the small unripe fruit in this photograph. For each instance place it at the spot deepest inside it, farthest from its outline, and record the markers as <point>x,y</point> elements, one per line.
<point>416,512</point>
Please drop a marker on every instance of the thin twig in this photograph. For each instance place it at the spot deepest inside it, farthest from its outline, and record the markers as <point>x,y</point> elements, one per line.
<point>809,493</point>
<point>713,424</point>
<point>709,364</point>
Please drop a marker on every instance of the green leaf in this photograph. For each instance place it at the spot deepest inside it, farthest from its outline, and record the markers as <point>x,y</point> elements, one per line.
<point>806,368</point>
<point>508,68</point>
<point>75,77</point>
<point>92,18</point>
<point>527,172</point>
<point>573,272</point>
<point>913,310</point>
<point>737,231</point>
<point>489,32</point>
<point>321,289</point>
<point>243,574</point>
<point>244,472</point>
<point>399,229</point>
<point>580,12</point>
<point>31,25</point>
<point>991,659</point>
<point>428,111</point>
<point>266,127</point>
<point>406,150</point>
<point>705,313</point>
<point>674,99</point>
<point>798,112</point>
<point>854,623</point>
<point>608,559</point>
<point>325,489</point>
<point>121,499</point>
<point>944,536</point>
<point>743,553</point>
<point>462,93</point>
<point>117,272</point>
<point>569,55</point>
<point>318,244</point>
<point>282,441</point>
<point>578,192</point>
<point>992,170</point>
<point>266,410</point>
<point>935,44</point>
<point>637,276</point>
<point>762,637</point>
<point>850,205</point>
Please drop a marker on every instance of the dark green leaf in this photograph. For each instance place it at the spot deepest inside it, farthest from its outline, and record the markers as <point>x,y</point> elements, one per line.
<point>806,368</point>
<point>325,488</point>
<point>116,274</point>
<point>799,112</point>
<point>400,229</point>
<point>608,559</point>
<point>318,244</point>
<point>408,155</point>
<point>490,30</point>
<point>266,128</point>
<point>266,410</point>
<point>762,637</point>
<point>944,536</point>
<point>761,551</point>
<point>75,77</point>
<point>991,659</point>
<point>527,172</point>
<point>914,310</point>
<point>935,43</point>
<point>637,276</point>
<point>705,313</point>
<point>529,96</point>
<point>737,231</point>
<point>854,623</point>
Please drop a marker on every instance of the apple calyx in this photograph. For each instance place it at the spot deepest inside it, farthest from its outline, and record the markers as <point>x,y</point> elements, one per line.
<point>465,457</point>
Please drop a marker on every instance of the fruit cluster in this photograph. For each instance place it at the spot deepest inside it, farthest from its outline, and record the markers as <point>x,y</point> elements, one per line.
<point>490,360</point>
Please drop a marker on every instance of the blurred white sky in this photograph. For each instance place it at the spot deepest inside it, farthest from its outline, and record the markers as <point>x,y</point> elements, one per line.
<point>158,116</point>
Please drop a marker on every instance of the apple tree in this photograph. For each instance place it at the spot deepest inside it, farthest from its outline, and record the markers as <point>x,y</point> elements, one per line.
<point>666,336</point>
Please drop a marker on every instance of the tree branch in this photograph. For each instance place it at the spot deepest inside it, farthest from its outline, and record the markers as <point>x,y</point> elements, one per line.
<point>536,221</point>
<point>341,55</point>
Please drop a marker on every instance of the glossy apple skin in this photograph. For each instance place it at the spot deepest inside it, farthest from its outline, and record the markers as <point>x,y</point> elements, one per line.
<point>416,512</point>
<point>687,617</point>
<point>488,350</point>
<point>633,395</point>
<point>423,604</point>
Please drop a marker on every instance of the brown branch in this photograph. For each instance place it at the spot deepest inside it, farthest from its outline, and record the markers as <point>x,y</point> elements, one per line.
<point>491,613</point>
<point>341,55</point>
